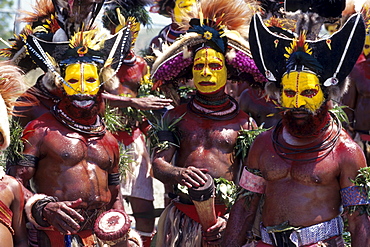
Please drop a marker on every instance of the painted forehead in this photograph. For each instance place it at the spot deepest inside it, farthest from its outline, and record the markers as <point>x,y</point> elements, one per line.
<point>208,53</point>
<point>299,80</point>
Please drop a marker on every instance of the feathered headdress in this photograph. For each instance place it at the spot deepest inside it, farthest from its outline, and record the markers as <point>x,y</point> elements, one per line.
<point>128,8</point>
<point>219,24</point>
<point>41,21</point>
<point>75,16</point>
<point>11,87</point>
<point>107,53</point>
<point>52,21</point>
<point>331,58</point>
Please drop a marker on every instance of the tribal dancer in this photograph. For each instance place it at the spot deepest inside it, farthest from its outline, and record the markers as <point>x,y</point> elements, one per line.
<point>204,132</point>
<point>50,21</point>
<point>307,168</point>
<point>71,158</point>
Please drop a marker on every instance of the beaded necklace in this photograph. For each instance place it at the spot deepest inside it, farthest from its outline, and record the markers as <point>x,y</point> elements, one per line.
<point>96,129</point>
<point>222,107</point>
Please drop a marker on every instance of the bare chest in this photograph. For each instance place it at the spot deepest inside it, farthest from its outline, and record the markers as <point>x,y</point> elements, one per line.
<point>71,148</point>
<point>209,134</point>
<point>303,168</point>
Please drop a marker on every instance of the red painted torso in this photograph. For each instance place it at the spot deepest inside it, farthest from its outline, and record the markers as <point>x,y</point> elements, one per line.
<point>303,192</point>
<point>67,158</point>
<point>208,143</point>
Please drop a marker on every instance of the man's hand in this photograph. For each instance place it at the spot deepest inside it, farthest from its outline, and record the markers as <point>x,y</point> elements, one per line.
<point>145,103</point>
<point>213,235</point>
<point>192,176</point>
<point>62,216</point>
<point>150,103</point>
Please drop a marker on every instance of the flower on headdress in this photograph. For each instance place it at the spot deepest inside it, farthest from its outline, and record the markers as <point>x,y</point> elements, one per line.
<point>207,35</point>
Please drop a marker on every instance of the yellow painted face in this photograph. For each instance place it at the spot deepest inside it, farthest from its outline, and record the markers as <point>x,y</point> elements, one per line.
<point>181,8</point>
<point>83,79</point>
<point>301,89</point>
<point>209,70</point>
<point>367,46</point>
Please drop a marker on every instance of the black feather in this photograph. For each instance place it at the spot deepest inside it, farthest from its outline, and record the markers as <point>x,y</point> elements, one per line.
<point>301,58</point>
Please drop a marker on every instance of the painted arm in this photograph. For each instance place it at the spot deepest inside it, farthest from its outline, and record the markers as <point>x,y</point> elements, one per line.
<point>18,221</point>
<point>243,212</point>
<point>353,200</point>
<point>144,103</point>
<point>114,183</point>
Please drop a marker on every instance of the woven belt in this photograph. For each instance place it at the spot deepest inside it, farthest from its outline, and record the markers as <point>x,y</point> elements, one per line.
<point>304,236</point>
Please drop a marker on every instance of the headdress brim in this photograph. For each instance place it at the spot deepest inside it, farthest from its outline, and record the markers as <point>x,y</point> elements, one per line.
<point>337,53</point>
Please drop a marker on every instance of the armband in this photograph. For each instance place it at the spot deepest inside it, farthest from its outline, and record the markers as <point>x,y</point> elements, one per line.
<point>354,195</point>
<point>166,135</point>
<point>252,182</point>
<point>34,207</point>
<point>28,160</point>
<point>113,178</point>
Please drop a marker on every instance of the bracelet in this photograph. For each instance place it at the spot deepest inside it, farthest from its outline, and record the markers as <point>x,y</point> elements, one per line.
<point>225,217</point>
<point>34,209</point>
<point>114,178</point>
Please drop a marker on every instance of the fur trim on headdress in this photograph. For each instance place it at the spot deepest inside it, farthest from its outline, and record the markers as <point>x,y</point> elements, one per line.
<point>51,81</point>
<point>111,80</point>
<point>107,76</point>
<point>307,22</point>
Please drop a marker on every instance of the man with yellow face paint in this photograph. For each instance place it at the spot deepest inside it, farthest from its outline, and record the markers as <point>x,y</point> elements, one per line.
<point>304,168</point>
<point>64,204</point>
<point>209,124</point>
<point>301,89</point>
<point>209,71</point>
<point>82,78</point>
<point>357,98</point>
<point>202,146</point>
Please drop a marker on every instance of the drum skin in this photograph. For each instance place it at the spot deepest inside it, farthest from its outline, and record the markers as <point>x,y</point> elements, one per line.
<point>112,226</point>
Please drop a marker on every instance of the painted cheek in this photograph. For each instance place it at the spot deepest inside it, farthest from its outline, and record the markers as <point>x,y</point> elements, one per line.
<point>68,90</point>
<point>92,88</point>
<point>288,98</point>
<point>73,78</point>
<point>316,101</point>
<point>90,73</point>
<point>287,101</point>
